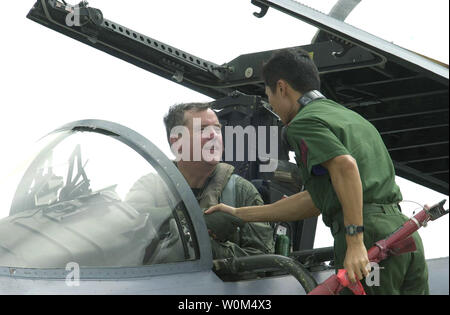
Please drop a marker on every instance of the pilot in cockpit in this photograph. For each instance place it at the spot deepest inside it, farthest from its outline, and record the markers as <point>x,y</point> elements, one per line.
<point>194,133</point>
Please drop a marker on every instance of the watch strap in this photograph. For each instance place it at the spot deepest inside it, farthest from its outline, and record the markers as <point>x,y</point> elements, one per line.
<point>353,229</point>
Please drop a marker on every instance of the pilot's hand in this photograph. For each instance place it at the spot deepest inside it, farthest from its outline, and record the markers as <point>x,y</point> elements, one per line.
<point>221,207</point>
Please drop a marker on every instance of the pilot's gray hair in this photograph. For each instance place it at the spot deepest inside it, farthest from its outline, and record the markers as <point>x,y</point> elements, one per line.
<point>175,116</point>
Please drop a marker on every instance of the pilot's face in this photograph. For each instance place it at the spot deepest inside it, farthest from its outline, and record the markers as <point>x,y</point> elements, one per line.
<point>205,136</point>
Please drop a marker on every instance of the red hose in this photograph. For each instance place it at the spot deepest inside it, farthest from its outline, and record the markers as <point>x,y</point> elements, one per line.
<point>398,242</point>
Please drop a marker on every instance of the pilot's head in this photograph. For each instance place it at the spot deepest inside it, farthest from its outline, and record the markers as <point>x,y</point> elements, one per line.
<point>194,133</point>
<point>287,76</point>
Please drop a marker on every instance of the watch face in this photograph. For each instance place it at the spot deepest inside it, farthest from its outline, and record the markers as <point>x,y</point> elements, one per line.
<point>354,229</point>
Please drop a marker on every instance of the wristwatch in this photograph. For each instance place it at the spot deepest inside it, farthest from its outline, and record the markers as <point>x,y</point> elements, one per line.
<point>354,229</point>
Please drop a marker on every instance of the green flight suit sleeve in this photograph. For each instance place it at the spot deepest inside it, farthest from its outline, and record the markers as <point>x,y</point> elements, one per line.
<point>252,238</point>
<point>315,141</point>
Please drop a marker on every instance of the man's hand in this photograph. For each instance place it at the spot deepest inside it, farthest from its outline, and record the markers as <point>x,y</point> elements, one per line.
<point>221,207</point>
<point>212,235</point>
<point>356,261</point>
<point>222,225</point>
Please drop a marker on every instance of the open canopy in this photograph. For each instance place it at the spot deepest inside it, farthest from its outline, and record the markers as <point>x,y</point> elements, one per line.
<point>405,95</point>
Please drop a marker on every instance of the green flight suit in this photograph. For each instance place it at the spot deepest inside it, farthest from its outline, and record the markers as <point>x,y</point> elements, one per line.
<point>323,130</point>
<point>250,239</point>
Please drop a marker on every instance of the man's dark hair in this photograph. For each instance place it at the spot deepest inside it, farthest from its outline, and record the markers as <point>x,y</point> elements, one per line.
<point>175,116</point>
<point>293,65</point>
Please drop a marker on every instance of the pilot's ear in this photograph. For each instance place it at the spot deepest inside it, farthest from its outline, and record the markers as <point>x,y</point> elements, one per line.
<point>176,145</point>
<point>179,136</point>
<point>173,139</point>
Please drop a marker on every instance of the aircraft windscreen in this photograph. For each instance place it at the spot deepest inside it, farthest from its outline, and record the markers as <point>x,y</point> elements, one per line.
<point>90,199</point>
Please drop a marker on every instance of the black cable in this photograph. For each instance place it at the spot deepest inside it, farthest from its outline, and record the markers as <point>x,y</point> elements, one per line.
<point>235,265</point>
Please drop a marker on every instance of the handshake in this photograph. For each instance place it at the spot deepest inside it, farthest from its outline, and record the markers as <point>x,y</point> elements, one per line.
<point>221,225</point>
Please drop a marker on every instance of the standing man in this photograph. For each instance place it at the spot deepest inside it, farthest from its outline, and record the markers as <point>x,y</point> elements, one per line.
<point>194,134</point>
<point>348,175</point>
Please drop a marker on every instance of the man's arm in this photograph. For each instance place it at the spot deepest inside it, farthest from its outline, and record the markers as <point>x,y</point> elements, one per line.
<point>252,238</point>
<point>296,207</point>
<point>346,182</point>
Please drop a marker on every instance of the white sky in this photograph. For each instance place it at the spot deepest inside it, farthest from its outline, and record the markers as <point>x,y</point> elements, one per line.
<point>48,79</point>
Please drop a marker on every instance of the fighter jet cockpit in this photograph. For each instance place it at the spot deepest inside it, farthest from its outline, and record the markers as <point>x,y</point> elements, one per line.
<point>79,200</point>
<point>101,207</point>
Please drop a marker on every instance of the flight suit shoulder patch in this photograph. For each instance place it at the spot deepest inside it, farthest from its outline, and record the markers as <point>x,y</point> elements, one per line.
<point>304,152</point>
